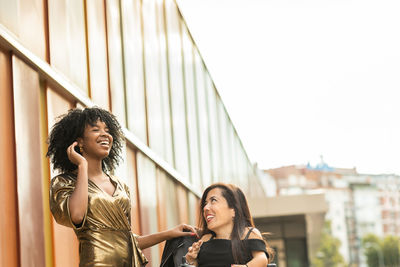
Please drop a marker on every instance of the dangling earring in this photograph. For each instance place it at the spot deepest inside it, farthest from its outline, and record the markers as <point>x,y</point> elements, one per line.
<point>81,149</point>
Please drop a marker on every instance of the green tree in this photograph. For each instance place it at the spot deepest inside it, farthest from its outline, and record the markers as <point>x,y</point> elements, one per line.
<point>380,252</point>
<point>372,250</point>
<point>391,251</point>
<point>328,253</point>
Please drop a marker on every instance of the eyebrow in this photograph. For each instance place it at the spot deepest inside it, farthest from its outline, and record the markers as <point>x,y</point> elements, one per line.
<point>210,198</point>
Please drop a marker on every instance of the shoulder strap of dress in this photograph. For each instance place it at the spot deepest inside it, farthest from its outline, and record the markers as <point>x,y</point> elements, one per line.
<point>248,233</point>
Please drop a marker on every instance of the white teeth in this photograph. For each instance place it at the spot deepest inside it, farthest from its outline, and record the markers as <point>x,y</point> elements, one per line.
<point>209,217</point>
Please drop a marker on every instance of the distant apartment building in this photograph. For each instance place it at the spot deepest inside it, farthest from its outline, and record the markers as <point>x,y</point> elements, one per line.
<point>358,203</point>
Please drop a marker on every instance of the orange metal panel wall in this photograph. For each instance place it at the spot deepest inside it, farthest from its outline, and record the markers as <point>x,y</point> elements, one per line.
<point>146,170</point>
<point>132,183</point>
<point>182,204</point>
<point>25,18</point>
<point>65,243</point>
<point>29,165</point>
<point>97,50</point>
<point>162,196</point>
<point>32,26</point>
<point>8,185</point>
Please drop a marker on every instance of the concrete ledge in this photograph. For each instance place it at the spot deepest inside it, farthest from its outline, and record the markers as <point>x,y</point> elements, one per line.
<point>287,205</point>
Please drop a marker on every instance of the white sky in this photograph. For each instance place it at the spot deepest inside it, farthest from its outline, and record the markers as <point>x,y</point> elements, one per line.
<point>304,78</point>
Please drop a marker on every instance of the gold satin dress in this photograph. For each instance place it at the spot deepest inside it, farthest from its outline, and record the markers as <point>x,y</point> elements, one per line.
<point>105,237</point>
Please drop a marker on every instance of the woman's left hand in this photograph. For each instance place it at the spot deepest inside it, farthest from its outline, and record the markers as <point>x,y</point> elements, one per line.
<point>182,230</point>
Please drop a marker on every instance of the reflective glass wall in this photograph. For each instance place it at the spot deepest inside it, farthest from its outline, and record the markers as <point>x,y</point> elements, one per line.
<point>138,60</point>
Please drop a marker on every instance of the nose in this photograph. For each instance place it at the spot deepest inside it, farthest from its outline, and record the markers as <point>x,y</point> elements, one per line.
<point>206,207</point>
<point>105,133</point>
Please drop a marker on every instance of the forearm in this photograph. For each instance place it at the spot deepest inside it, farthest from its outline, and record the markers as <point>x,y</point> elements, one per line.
<point>79,198</point>
<point>258,262</point>
<point>153,239</point>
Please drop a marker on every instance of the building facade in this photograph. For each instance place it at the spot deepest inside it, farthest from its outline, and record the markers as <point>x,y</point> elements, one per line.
<point>358,204</point>
<point>138,60</point>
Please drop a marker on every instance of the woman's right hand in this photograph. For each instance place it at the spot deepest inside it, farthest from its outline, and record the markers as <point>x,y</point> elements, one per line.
<point>74,156</point>
<point>193,251</point>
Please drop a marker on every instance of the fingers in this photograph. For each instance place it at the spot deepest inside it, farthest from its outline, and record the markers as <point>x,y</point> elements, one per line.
<point>193,231</point>
<point>193,251</point>
<point>196,245</point>
<point>70,149</point>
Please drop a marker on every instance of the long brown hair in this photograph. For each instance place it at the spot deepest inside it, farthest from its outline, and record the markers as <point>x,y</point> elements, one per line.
<point>239,221</point>
<point>244,207</point>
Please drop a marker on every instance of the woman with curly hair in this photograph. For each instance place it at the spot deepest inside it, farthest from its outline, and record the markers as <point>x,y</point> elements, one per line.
<point>228,235</point>
<point>85,146</point>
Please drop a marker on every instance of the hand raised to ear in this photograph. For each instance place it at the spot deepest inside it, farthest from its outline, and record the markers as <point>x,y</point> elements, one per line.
<point>74,156</point>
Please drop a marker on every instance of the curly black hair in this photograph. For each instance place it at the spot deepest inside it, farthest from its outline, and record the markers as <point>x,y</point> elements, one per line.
<point>71,125</point>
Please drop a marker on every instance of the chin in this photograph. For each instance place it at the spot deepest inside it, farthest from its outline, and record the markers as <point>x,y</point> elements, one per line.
<point>104,155</point>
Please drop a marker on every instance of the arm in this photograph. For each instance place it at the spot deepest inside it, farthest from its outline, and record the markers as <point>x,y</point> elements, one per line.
<point>79,198</point>
<point>259,258</point>
<point>153,239</point>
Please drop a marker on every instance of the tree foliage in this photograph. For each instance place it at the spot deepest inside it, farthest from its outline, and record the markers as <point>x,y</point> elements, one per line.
<point>328,254</point>
<point>380,252</point>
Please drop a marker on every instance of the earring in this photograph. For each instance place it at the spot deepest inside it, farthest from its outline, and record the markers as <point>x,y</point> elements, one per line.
<point>81,149</point>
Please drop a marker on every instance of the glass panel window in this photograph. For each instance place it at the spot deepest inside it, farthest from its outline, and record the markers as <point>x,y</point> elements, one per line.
<point>203,122</point>
<point>215,134</point>
<point>133,61</point>
<point>115,59</point>
<point>153,88</point>
<point>223,121</point>
<point>97,46</point>
<point>67,40</point>
<point>191,107</point>
<point>173,21</point>
<point>164,87</point>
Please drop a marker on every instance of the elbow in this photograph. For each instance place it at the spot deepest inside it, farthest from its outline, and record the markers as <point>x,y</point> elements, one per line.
<point>77,218</point>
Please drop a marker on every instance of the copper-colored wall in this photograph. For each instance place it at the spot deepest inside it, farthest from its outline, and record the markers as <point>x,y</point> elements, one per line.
<point>8,183</point>
<point>65,252</point>
<point>131,180</point>
<point>29,171</point>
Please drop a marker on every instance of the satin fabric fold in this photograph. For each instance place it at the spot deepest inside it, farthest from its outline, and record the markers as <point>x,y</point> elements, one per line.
<point>105,237</point>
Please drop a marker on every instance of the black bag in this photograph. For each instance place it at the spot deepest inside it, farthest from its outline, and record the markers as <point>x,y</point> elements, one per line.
<point>175,249</point>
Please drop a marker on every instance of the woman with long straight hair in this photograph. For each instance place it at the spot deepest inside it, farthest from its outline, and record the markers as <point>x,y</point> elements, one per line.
<point>228,236</point>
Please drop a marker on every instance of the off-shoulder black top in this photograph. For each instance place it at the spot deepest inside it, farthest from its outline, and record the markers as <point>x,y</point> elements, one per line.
<point>218,252</point>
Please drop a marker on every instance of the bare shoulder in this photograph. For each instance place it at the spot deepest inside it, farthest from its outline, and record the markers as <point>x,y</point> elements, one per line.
<point>255,233</point>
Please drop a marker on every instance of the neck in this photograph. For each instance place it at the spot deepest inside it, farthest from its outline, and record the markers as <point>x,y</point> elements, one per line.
<point>224,233</point>
<point>95,169</point>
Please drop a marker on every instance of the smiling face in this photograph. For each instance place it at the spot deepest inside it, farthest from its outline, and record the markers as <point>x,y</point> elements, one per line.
<point>217,213</point>
<point>96,141</point>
